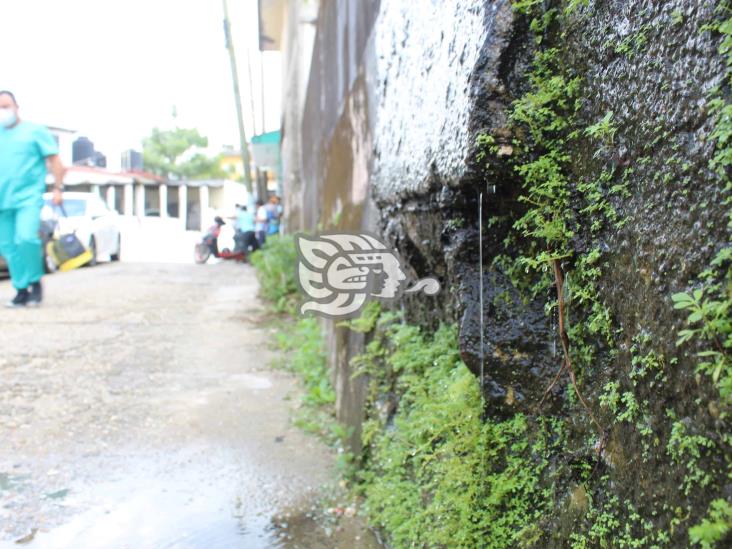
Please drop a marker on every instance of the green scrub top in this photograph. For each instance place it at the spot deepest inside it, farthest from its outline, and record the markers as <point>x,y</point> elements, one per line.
<point>23,152</point>
<point>244,221</point>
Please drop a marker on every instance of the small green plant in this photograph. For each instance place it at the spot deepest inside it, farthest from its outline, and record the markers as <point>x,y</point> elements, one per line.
<point>304,354</point>
<point>486,145</point>
<point>633,43</point>
<point>275,265</point>
<point>709,321</point>
<point>604,129</point>
<point>646,367</point>
<point>305,350</point>
<point>608,529</point>
<point>632,408</point>
<point>610,397</point>
<point>688,450</point>
<point>573,5</point>
<point>709,306</point>
<point>525,7</point>
<point>455,223</point>
<point>366,321</point>
<point>715,527</point>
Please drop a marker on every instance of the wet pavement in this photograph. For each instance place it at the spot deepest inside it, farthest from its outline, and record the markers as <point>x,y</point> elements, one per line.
<point>138,409</point>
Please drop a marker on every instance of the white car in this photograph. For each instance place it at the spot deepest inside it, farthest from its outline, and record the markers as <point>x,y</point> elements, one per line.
<point>87,215</point>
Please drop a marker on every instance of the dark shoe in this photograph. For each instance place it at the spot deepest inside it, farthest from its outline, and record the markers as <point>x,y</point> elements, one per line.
<point>20,299</point>
<point>36,294</point>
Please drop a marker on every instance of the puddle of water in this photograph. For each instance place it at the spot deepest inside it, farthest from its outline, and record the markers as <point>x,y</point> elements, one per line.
<point>253,381</point>
<point>189,506</point>
<point>322,528</point>
<point>11,482</point>
<point>58,494</point>
<point>168,520</point>
<point>159,516</point>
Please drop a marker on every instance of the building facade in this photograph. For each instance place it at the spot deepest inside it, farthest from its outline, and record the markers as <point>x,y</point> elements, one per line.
<point>141,194</point>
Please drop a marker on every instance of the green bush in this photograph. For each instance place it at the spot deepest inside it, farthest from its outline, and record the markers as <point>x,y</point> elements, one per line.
<point>275,265</point>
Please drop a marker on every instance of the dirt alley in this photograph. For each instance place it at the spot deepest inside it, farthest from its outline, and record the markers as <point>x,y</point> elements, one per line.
<point>137,409</point>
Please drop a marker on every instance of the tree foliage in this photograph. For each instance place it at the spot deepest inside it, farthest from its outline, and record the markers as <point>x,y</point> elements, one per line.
<point>175,154</point>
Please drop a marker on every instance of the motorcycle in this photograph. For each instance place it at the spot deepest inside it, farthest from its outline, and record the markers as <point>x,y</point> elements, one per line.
<point>209,245</point>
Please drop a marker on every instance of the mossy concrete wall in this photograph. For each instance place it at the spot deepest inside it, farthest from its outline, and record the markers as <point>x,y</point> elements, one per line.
<point>398,95</point>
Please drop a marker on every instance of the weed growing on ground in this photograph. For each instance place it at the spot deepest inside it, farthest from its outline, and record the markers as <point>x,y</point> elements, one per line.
<point>275,265</point>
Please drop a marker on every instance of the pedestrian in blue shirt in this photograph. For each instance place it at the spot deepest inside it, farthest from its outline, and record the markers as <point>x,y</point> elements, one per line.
<point>25,151</point>
<point>274,214</point>
<point>245,234</point>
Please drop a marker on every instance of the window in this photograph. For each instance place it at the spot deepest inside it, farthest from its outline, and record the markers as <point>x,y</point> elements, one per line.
<point>74,207</point>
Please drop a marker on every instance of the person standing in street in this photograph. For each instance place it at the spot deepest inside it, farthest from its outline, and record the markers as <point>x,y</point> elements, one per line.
<point>274,214</point>
<point>26,150</point>
<point>245,230</point>
<point>261,222</point>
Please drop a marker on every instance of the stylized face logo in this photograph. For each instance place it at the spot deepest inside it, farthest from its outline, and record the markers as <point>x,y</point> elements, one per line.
<point>340,272</point>
<point>385,271</point>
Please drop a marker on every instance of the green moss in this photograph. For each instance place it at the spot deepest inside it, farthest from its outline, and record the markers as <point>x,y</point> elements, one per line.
<point>301,342</point>
<point>486,145</point>
<point>603,129</point>
<point>441,470</point>
<point>309,361</point>
<point>634,43</point>
<point>437,473</point>
<point>608,530</point>
<point>709,328</point>
<point>688,450</point>
<point>610,397</point>
<point>547,115</point>
<point>709,305</point>
<point>562,208</point>
<point>647,367</point>
<point>366,322</point>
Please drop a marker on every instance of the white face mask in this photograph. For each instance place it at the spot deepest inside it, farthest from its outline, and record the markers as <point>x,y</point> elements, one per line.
<point>7,117</point>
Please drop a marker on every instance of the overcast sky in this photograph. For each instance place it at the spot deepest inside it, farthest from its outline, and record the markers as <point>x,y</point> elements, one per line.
<point>113,69</point>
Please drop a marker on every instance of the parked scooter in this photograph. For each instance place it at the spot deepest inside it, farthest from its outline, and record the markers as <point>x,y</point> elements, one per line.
<point>209,245</point>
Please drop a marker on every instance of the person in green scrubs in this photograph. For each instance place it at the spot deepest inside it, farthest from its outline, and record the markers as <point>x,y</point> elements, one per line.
<point>26,150</point>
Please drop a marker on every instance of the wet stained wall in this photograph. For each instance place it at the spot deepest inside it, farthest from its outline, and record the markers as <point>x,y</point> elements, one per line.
<point>386,118</point>
<point>396,96</point>
<point>327,148</point>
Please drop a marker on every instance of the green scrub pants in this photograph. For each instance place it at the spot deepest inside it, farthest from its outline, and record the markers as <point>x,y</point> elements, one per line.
<point>20,244</point>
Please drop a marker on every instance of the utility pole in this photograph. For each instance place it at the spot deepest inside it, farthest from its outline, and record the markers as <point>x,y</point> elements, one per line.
<point>251,93</point>
<point>237,98</point>
<point>261,87</point>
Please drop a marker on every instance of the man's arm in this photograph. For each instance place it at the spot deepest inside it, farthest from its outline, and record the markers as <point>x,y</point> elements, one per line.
<point>57,169</point>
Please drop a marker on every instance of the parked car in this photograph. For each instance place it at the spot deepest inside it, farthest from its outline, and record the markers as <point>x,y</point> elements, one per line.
<point>87,215</point>
<point>48,227</point>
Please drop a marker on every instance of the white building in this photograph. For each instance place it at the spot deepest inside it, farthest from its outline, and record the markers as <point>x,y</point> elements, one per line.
<point>142,194</point>
<point>64,139</point>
